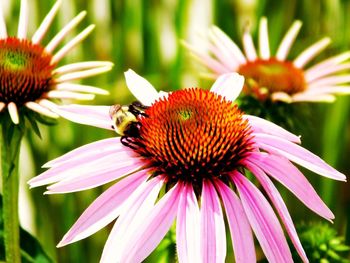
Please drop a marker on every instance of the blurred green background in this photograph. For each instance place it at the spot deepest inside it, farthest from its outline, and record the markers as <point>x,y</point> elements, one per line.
<point>144,36</point>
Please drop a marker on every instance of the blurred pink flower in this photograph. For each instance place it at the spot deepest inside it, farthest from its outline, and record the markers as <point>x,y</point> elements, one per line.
<point>196,147</point>
<point>29,75</point>
<point>276,77</point>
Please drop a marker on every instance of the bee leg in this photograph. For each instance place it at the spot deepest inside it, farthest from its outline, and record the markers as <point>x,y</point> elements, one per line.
<point>137,108</point>
<point>126,141</point>
<point>139,105</point>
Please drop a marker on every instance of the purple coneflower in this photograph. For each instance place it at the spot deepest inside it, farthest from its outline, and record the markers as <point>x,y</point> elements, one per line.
<point>274,76</point>
<point>196,147</point>
<point>29,72</point>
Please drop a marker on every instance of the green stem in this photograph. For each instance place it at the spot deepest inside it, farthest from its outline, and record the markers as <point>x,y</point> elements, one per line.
<point>11,137</point>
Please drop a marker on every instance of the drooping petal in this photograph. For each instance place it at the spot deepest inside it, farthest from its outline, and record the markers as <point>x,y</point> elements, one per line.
<point>99,148</point>
<point>260,125</point>
<point>40,109</point>
<point>337,89</point>
<point>287,41</point>
<point>89,115</point>
<point>213,238</point>
<point>13,111</point>
<point>280,206</point>
<point>328,63</point>
<point>315,75</point>
<point>298,155</point>
<point>263,221</point>
<point>206,59</point>
<point>141,88</point>
<point>330,81</point>
<point>281,96</point>
<point>95,178</point>
<point>2,106</point>
<point>228,85</point>
<point>137,207</point>
<point>220,50</point>
<point>309,53</point>
<point>264,47</point>
<point>156,224</point>
<point>80,168</point>
<point>241,233</point>
<point>104,209</point>
<point>108,152</point>
<point>287,174</point>
<point>305,97</point>
<point>235,51</point>
<point>187,226</point>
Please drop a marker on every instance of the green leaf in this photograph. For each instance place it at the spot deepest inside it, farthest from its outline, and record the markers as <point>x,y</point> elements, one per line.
<point>31,250</point>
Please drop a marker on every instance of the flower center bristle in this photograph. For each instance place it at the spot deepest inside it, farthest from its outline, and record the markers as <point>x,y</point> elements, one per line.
<point>193,134</point>
<point>25,71</point>
<point>14,61</point>
<point>264,77</point>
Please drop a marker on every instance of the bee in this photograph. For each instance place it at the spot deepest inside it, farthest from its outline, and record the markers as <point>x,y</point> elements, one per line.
<point>125,121</point>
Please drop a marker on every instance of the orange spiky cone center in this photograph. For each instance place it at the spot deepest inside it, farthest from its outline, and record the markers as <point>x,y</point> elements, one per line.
<point>25,71</point>
<point>264,77</point>
<point>193,134</point>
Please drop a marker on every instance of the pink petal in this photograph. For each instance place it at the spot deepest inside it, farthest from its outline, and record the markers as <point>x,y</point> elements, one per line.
<point>156,224</point>
<point>248,46</point>
<point>260,125</point>
<point>311,52</point>
<point>187,226</point>
<point>207,60</point>
<point>337,89</point>
<point>288,40</point>
<point>264,46</point>
<point>305,97</point>
<point>281,208</point>
<point>89,115</point>
<point>213,237</point>
<point>288,175</point>
<point>330,81</point>
<point>231,46</point>
<point>94,157</point>
<point>241,233</point>
<point>222,55</point>
<point>104,209</point>
<point>281,96</point>
<point>80,168</point>
<point>106,157</point>
<point>298,155</point>
<point>228,86</point>
<point>263,221</point>
<point>88,149</point>
<point>137,207</point>
<point>326,71</point>
<point>141,88</point>
<point>328,63</point>
<point>94,179</point>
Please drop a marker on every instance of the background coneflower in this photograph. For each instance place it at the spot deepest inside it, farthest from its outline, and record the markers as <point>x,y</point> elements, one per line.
<point>29,79</point>
<point>274,80</point>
